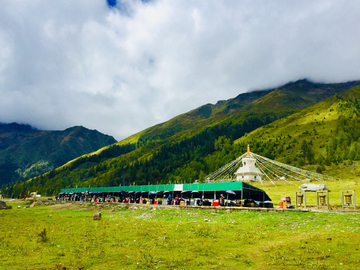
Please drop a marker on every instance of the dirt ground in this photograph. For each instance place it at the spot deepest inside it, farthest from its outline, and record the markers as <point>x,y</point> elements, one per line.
<point>58,206</point>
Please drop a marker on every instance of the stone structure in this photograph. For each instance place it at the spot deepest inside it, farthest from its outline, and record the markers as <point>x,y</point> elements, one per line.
<point>248,171</point>
<point>3,205</point>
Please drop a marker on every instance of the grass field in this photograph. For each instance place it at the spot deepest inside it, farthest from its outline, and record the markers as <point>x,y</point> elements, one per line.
<point>282,188</point>
<point>65,236</point>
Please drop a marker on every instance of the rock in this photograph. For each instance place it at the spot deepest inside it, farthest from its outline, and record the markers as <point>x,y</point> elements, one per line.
<point>19,206</point>
<point>3,205</point>
<point>313,187</point>
<point>97,216</point>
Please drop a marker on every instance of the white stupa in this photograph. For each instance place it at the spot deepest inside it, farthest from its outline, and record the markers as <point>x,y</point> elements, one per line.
<point>248,171</point>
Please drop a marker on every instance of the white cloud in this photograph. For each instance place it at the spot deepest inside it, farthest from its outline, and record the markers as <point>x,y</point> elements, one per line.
<point>65,63</point>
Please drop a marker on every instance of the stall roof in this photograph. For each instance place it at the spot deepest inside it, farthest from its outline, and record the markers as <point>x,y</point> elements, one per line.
<point>248,190</point>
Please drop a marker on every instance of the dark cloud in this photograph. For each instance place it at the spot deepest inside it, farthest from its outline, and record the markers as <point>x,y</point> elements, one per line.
<point>123,69</point>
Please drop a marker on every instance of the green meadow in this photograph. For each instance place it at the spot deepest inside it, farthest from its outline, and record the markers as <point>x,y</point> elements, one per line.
<point>65,236</point>
<point>288,188</point>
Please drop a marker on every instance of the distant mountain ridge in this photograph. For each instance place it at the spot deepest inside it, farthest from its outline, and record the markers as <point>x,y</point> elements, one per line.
<point>193,144</point>
<point>283,100</point>
<point>26,151</point>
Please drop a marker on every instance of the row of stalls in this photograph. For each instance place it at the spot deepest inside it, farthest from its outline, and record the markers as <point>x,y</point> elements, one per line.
<point>197,194</point>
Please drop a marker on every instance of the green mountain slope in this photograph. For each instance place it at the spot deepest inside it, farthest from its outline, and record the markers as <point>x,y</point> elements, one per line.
<point>26,152</point>
<point>285,100</point>
<point>190,123</point>
<point>322,134</point>
<point>189,146</point>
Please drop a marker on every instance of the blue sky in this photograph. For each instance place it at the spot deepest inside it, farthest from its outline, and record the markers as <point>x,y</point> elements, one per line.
<point>111,3</point>
<point>120,68</point>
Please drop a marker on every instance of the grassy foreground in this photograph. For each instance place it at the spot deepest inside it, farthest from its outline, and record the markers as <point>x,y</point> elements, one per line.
<point>66,237</point>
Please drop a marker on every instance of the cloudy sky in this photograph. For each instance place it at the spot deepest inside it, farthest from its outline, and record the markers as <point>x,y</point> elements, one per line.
<point>120,68</point>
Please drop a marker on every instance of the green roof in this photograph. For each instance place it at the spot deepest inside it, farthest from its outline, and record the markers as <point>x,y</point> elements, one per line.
<point>248,190</point>
<point>170,187</point>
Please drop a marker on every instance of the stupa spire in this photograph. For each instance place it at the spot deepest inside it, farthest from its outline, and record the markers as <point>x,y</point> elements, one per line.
<point>248,150</point>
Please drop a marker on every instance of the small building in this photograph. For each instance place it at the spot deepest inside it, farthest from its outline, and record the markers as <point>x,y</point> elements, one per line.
<point>248,171</point>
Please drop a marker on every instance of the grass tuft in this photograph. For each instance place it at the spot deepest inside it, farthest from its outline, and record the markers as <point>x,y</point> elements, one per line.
<point>43,236</point>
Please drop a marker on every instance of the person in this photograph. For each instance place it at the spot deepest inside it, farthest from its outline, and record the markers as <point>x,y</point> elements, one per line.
<point>177,199</point>
<point>87,195</point>
<point>222,200</point>
<point>169,199</point>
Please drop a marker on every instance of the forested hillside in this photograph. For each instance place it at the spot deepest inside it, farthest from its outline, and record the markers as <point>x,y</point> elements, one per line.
<point>26,152</point>
<point>194,144</point>
<point>323,134</point>
<point>282,101</point>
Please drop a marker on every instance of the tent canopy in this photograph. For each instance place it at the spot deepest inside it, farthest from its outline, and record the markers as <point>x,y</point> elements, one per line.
<point>242,189</point>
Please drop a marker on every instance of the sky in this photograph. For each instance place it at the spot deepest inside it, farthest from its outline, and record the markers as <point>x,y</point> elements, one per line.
<point>122,66</point>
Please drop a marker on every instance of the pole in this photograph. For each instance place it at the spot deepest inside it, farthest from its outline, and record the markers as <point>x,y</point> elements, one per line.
<point>263,196</point>
<point>354,200</point>
<point>242,195</point>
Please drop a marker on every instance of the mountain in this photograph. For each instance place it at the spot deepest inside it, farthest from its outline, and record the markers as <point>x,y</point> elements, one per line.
<point>281,101</point>
<point>323,134</point>
<point>193,144</point>
<point>26,152</point>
